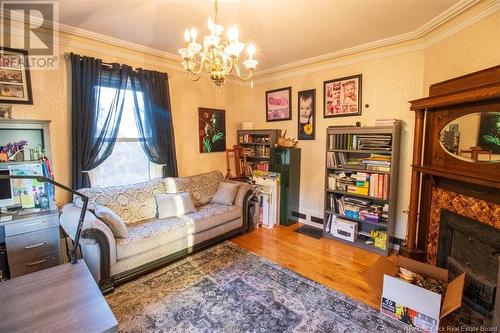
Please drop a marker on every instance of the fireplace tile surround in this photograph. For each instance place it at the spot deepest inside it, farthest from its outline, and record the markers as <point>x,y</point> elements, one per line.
<point>473,208</point>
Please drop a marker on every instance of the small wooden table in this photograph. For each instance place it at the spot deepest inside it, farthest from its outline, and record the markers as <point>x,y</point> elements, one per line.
<point>63,298</point>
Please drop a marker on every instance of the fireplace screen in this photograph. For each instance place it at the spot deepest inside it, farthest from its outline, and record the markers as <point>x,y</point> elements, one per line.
<point>469,246</point>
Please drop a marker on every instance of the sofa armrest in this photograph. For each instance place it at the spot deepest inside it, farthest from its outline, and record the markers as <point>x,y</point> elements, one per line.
<point>96,239</point>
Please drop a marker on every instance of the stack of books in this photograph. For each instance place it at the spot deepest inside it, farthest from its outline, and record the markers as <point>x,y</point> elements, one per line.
<point>372,214</point>
<point>378,162</point>
<point>387,122</point>
<point>358,209</point>
<point>374,142</point>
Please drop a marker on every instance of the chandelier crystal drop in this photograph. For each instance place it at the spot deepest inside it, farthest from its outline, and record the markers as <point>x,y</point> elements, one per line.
<point>218,56</point>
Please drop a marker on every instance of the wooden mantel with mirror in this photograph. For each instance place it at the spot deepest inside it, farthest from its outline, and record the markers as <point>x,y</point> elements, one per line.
<point>456,147</point>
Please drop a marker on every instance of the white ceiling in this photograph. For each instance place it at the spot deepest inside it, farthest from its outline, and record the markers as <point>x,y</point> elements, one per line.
<point>284,31</point>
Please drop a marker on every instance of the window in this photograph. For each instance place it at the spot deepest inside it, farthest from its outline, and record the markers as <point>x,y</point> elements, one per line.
<point>127,164</point>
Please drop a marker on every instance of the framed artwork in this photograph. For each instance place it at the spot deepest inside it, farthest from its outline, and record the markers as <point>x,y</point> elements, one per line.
<point>212,130</point>
<point>279,104</point>
<point>342,97</point>
<point>307,113</point>
<point>15,81</point>
<point>489,132</point>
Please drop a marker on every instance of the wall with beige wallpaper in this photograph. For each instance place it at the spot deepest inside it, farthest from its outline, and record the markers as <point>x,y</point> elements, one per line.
<point>51,98</point>
<point>388,84</point>
<point>392,76</point>
<point>472,49</point>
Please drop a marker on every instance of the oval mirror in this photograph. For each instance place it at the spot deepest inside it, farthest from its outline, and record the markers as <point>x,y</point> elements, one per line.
<point>474,137</point>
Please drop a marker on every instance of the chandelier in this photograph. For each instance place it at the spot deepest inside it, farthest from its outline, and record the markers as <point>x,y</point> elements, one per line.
<point>218,56</point>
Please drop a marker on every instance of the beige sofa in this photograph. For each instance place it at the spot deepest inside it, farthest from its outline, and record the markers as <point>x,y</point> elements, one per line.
<point>152,242</point>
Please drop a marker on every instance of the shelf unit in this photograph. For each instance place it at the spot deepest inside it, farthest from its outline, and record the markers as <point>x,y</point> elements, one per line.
<point>260,141</point>
<point>352,153</point>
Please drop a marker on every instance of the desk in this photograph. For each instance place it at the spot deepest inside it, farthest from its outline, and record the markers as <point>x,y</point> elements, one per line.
<point>63,298</point>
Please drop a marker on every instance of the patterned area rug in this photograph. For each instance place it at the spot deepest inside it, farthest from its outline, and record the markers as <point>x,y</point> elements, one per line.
<point>228,289</point>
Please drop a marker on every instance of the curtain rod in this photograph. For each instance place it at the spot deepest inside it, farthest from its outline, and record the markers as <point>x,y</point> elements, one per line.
<point>108,64</point>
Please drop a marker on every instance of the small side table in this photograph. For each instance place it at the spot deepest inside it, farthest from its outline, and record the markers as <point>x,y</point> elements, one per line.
<point>63,298</point>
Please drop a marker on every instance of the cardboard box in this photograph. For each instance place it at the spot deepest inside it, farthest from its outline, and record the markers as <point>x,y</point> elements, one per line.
<point>409,303</point>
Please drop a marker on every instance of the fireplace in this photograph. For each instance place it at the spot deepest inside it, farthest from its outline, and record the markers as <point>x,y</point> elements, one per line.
<point>470,246</point>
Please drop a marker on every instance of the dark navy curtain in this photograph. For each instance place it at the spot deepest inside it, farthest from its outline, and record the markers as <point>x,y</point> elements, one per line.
<point>95,121</point>
<point>154,118</point>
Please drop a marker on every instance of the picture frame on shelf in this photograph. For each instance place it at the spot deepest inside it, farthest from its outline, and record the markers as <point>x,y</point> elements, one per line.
<point>15,79</point>
<point>279,104</point>
<point>5,111</point>
<point>211,130</point>
<point>342,97</point>
<point>306,118</point>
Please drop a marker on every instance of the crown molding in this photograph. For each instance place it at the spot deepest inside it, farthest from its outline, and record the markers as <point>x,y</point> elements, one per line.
<point>431,25</point>
<point>493,8</point>
<point>322,62</point>
<point>406,45</point>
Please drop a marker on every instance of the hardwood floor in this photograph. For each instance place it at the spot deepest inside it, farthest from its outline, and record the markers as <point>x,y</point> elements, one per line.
<point>334,264</point>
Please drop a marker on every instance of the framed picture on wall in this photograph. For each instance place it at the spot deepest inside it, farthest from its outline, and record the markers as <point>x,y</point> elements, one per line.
<point>279,104</point>
<point>342,97</point>
<point>211,130</point>
<point>307,113</point>
<point>15,80</point>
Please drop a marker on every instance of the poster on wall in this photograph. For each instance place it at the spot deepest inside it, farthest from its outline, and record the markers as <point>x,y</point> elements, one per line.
<point>15,81</point>
<point>279,104</point>
<point>307,110</point>
<point>212,130</point>
<point>489,132</point>
<point>342,97</point>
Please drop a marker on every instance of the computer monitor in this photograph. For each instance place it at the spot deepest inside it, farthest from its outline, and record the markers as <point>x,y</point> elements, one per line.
<point>6,194</point>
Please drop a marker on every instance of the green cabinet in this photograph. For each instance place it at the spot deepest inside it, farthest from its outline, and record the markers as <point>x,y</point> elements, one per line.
<point>286,161</point>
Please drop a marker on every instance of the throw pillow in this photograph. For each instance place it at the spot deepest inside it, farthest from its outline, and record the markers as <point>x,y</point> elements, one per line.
<point>225,194</point>
<point>112,220</point>
<point>174,204</point>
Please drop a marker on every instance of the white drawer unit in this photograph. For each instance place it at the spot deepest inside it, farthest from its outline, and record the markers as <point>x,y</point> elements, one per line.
<point>32,242</point>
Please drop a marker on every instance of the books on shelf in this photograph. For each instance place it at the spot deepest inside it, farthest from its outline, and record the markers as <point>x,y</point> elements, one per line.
<point>375,162</point>
<point>364,183</point>
<point>359,142</point>
<point>252,138</point>
<point>261,166</point>
<point>357,209</point>
<point>258,151</point>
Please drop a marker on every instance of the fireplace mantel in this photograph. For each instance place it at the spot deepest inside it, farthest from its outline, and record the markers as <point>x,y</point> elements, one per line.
<point>433,167</point>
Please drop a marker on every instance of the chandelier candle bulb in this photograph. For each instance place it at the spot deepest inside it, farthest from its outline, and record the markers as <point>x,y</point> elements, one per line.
<point>194,34</point>
<point>187,36</point>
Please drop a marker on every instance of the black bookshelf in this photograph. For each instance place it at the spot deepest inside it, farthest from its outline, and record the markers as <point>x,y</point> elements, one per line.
<point>258,144</point>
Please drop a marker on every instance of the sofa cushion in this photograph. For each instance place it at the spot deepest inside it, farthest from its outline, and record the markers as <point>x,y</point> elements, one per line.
<point>201,187</point>
<point>112,220</point>
<point>173,204</point>
<point>133,203</point>
<point>212,215</point>
<point>149,234</point>
<point>225,194</point>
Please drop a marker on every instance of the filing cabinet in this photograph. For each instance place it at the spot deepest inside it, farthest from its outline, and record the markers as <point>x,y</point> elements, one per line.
<point>32,242</point>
